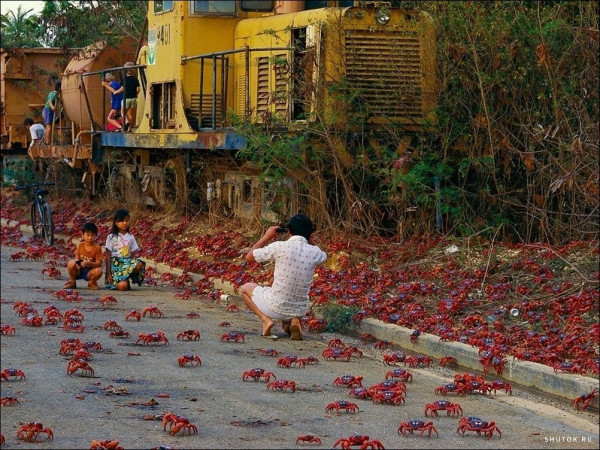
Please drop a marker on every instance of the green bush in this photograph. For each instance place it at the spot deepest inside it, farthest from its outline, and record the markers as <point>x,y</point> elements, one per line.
<point>18,172</point>
<point>338,317</point>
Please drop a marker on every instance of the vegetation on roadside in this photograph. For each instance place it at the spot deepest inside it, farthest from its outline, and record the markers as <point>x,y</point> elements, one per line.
<point>514,154</point>
<point>338,317</point>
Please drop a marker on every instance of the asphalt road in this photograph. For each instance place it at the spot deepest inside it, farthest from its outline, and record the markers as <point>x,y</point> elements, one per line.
<point>228,412</point>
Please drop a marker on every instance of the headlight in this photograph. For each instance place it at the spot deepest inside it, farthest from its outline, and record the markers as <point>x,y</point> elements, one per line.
<point>383,17</point>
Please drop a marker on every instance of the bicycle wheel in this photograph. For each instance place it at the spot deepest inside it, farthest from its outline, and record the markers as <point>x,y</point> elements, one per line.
<point>36,219</point>
<point>48,224</point>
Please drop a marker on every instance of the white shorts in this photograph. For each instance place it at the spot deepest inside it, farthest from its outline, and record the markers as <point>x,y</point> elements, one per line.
<point>259,301</point>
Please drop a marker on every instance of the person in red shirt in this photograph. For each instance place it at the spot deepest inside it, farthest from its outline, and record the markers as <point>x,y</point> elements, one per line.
<point>89,257</point>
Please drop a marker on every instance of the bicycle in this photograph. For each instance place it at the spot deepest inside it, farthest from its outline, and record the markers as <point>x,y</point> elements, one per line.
<point>41,212</point>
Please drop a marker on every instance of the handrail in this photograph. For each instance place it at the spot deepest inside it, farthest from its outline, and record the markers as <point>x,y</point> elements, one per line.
<point>231,52</point>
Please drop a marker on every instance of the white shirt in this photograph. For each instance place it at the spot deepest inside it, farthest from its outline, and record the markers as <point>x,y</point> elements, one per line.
<point>37,131</point>
<point>295,262</point>
<point>122,245</point>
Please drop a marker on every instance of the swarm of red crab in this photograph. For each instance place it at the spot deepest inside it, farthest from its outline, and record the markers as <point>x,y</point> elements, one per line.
<point>529,301</point>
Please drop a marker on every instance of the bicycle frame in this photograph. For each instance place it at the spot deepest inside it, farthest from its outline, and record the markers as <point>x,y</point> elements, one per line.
<point>41,213</point>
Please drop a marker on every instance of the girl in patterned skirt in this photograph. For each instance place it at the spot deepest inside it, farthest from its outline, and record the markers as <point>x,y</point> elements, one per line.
<point>121,254</point>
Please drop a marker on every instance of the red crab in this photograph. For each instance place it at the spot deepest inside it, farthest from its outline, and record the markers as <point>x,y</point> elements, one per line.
<point>32,321</point>
<point>69,325</point>
<point>51,272</point>
<point>268,352</point>
<point>309,439</point>
<point>108,300</point>
<point>17,256</point>
<point>225,324</point>
<point>448,361</point>
<point>112,326</point>
<point>444,405</point>
<point>348,381</point>
<point>477,425</point>
<point>288,360</point>
<point>388,385</point>
<point>311,360</point>
<point>401,374</point>
<point>393,358</point>
<point>153,311</point>
<point>568,367</point>
<point>234,336</point>
<point>232,308</point>
<point>356,441</point>
<point>367,337</point>
<point>361,393</point>
<point>452,388</point>
<point>258,374</point>
<point>75,364</point>
<point>53,316</point>
<point>25,310</point>
<point>105,445</point>
<point>10,372</point>
<point>316,325</point>
<point>418,361</point>
<point>189,358</point>
<point>188,335</point>
<point>336,343</point>
<point>585,399</point>
<point>342,405</point>
<point>390,397</point>
<point>410,426</point>
<point>177,423</point>
<point>7,329</point>
<point>92,346</point>
<point>282,385</point>
<point>29,432</point>
<point>133,315</point>
<point>149,338</point>
<point>335,353</point>
<point>10,401</point>
<point>497,385</point>
<point>121,334</point>
<point>383,344</point>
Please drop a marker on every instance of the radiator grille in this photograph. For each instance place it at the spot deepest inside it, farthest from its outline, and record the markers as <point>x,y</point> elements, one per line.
<point>385,68</point>
<point>262,92</point>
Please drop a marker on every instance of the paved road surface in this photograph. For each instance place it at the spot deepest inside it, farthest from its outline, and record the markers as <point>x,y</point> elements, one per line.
<point>228,412</point>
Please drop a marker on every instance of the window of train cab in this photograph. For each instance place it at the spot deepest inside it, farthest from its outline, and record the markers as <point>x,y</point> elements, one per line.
<point>163,6</point>
<point>228,7</point>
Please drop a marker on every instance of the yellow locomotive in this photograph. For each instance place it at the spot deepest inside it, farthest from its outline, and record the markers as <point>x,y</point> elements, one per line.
<point>257,60</point>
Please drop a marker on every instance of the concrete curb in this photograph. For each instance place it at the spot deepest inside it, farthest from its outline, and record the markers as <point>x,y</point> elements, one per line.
<point>527,374</point>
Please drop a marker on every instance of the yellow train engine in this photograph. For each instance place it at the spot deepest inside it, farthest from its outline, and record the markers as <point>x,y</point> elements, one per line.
<point>206,62</point>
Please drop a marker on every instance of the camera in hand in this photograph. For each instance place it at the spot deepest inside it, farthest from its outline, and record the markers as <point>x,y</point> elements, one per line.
<point>282,229</point>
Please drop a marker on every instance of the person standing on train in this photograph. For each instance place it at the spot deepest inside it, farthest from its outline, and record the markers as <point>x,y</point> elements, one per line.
<point>116,98</point>
<point>49,110</point>
<point>131,87</point>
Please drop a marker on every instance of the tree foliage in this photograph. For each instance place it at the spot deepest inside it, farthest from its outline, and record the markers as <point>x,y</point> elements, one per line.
<point>515,150</point>
<point>72,24</point>
<point>20,30</point>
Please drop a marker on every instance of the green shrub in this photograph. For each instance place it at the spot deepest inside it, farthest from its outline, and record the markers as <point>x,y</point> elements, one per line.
<point>18,172</point>
<point>338,317</point>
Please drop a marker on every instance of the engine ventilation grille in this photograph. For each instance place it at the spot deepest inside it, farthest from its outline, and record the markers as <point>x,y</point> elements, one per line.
<point>385,68</point>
